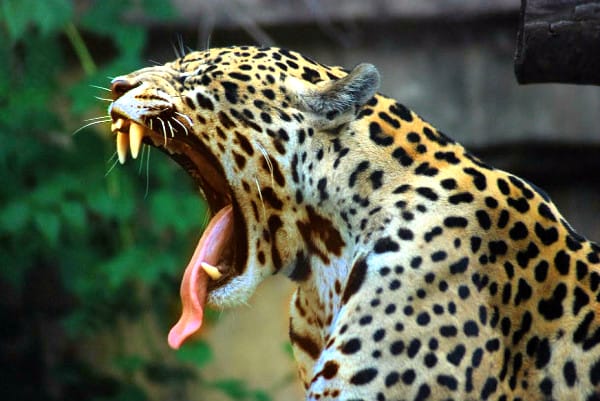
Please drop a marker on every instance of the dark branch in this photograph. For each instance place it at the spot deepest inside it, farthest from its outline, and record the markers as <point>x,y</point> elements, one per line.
<point>559,41</point>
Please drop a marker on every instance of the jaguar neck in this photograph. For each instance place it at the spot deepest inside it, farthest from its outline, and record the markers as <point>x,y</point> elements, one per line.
<point>330,252</point>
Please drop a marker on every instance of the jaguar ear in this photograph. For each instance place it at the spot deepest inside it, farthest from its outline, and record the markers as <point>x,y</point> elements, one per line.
<point>332,99</point>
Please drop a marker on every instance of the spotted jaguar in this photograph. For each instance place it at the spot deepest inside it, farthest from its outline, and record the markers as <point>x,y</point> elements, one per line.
<point>422,273</point>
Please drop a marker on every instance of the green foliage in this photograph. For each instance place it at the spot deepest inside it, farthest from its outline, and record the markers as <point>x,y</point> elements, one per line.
<point>113,235</point>
<point>238,390</point>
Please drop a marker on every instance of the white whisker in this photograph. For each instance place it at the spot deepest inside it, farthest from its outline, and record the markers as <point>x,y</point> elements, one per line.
<point>268,160</point>
<point>179,48</point>
<point>208,41</point>
<point>89,125</point>
<point>260,196</point>
<point>182,126</point>
<point>187,118</point>
<point>107,118</point>
<point>141,159</point>
<point>171,129</point>
<point>206,218</point>
<point>112,157</point>
<point>112,167</point>
<point>103,99</point>
<point>147,169</point>
<point>164,129</point>
<point>100,87</point>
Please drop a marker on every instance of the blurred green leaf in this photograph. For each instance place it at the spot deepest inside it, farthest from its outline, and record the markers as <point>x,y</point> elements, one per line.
<point>162,373</point>
<point>127,265</point>
<point>74,214</point>
<point>287,348</point>
<point>14,216</point>
<point>16,14</point>
<point>105,16</point>
<point>239,390</point>
<point>236,389</point>
<point>129,392</point>
<point>129,364</point>
<point>119,204</point>
<point>49,16</point>
<point>197,352</point>
<point>48,224</point>
<point>166,206</point>
<point>159,9</point>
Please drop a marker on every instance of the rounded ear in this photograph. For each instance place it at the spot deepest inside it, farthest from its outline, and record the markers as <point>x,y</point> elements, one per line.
<point>331,99</point>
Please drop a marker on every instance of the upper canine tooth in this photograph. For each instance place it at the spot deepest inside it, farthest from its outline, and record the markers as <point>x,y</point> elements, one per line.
<point>122,146</point>
<point>212,271</point>
<point>136,134</point>
<point>117,125</point>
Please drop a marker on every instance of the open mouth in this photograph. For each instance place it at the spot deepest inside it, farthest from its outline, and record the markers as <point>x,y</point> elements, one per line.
<point>216,259</point>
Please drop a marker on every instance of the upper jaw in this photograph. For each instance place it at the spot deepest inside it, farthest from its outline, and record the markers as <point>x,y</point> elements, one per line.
<point>172,132</point>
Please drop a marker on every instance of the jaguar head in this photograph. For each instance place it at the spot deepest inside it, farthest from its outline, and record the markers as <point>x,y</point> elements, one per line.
<point>232,118</point>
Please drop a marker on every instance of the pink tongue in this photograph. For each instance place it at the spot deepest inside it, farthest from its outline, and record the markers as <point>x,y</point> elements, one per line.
<point>195,280</point>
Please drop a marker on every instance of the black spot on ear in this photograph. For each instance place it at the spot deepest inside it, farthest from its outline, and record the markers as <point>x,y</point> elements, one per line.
<point>355,279</point>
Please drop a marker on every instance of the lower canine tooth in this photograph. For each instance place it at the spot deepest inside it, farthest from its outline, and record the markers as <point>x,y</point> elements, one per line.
<point>122,146</point>
<point>136,134</point>
<point>212,271</point>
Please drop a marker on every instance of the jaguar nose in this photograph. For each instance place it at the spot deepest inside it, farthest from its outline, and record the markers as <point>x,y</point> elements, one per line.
<point>121,85</point>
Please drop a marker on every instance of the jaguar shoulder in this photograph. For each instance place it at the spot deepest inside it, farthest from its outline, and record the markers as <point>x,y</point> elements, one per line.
<point>422,273</point>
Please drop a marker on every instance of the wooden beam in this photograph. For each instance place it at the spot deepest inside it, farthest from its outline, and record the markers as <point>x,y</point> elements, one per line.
<point>559,41</point>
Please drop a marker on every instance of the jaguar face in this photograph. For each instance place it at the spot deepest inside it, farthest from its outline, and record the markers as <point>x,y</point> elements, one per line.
<point>234,124</point>
<point>147,109</point>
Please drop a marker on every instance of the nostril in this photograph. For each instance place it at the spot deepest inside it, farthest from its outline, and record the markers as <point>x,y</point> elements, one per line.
<point>121,85</point>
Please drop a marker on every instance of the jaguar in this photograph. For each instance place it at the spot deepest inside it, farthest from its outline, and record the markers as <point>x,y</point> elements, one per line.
<point>421,272</point>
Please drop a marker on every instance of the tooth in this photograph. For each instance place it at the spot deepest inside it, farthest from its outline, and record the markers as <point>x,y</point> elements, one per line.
<point>122,146</point>
<point>212,271</point>
<point>117,125</point>
<point>136,134</point>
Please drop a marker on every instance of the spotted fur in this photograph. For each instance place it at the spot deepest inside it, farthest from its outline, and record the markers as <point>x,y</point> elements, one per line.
<point>422,273</point>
